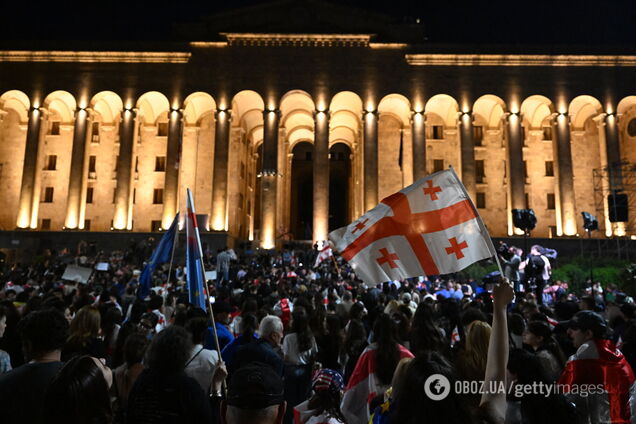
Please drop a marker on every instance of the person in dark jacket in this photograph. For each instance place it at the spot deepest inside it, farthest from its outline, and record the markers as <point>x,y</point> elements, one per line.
<point>266,349</point>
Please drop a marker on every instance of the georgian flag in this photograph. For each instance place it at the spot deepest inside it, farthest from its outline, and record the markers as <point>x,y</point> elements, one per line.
<point>428,228</point>
<point>324,254</point>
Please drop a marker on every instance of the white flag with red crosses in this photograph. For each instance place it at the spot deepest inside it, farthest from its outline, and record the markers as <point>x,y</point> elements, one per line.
<point>428,228</point>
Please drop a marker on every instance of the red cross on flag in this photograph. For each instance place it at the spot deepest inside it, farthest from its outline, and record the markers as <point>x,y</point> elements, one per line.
<point>324,254</point>
<point>428,228</point>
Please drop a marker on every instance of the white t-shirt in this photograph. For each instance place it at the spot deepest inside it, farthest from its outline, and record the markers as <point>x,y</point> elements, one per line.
<point>203,366</point>
<point>292,355</point>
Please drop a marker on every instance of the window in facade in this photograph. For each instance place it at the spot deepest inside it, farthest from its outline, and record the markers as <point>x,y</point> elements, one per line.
<point>550,201</point>
<point>155,225</point>
<point>89,195</point>
<point>549,168</point>
<point>525,169</point>
<point>134,196</point>
<point>51,163</point>
<point>631,128</point>
<point>95,133</point>
<point>547,133</point>
<point>160,164</point>
<point>45,224</point>
<point>157,196</point>
<point>92,161</point>
<point>478,135</point>
<point>136,163</point>
<point>242,170</point>
<point>55,128</point>
<point>87,225</point>
<point>438,165</point>
<point>479,171</point>
<point>481,200</point>
<point>240,201</point>
<point>114,195</point>
<point>48,195</point>
<point>552,230</point>
<point>162,129</point>
<point>527,197</point>
<point>438,132</point>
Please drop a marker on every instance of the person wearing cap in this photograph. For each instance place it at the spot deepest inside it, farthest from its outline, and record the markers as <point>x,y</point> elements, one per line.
<point>255,395</point>
<point>222,318</point>
<point>323,407</point>
<point>597,362</point>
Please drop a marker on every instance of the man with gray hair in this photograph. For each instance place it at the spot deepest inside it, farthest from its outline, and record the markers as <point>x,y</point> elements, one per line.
<point>266,349</point>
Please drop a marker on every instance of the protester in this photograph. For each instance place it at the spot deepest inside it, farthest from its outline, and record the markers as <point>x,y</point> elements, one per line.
<point>265,349</point>
<point>85,334</point>
<point>79,393</point>
<point>323,407</point>
<point>22,390</point>
<point>203,362</point>
<point>5,360</point>
<point>538,336</point>
<point>126,374</point>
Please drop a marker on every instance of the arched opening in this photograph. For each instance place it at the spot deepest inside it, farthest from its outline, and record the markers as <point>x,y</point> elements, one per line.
<point>302,180</point>
<point>339,186</point>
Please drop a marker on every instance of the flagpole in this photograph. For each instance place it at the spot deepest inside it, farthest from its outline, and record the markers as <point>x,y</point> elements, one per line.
<point>480,223</point>
<point>176,236</point>
<point>205,283</point>
<point>333,258</point>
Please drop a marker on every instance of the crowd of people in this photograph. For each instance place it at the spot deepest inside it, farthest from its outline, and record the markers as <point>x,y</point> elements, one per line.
<point>289,342</point>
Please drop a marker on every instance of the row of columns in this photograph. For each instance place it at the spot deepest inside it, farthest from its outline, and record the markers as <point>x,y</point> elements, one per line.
<point>29,193</point>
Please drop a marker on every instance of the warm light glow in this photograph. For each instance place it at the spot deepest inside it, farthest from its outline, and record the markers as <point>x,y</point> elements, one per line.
<point>518,60</point>
<point>620,229</point>
<point>93,56</point>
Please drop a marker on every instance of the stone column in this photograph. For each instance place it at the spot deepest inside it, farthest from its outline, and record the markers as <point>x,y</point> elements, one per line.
<point>370,139</point>
<point>564,176</point>
<point>88,137</point>
<point>171,181</point>
<point>419,145</point>
<point>321,176</point>
<point>613,151</point>
<point>467,149</point>
<point>29,169</point>
<point>269,174</point>
<point>76,176</point>
<point>124,169</point>
<point>514,166</point>
<point>220,173</point>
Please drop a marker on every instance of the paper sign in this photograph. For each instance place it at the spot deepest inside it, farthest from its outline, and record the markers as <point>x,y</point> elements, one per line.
<point>79,274</point>
<point>210,275</point>
<point>101,266</point>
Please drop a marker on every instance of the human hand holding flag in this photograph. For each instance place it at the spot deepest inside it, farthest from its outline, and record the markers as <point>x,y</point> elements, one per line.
<point>428,228</point>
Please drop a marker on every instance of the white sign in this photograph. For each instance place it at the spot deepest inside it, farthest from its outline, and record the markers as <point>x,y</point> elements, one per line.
<point>79,274</point>
<point>210,275</point>
<point>101,266</point>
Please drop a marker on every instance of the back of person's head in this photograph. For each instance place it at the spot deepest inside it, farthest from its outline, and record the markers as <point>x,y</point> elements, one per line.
<point>425,335</point>
<point>387,353</point>
<point>43,332</point>
<point>255,395</point>
<point>414,405</point>
<point>134,348</point>
<point>516,324</point>
<point>472,361</point>
<point>79,393</point>
<point>86,324</point>
<point>270,324</point>
<point>155,302</point>
<point>248,326</point>
<point>197,327</point>
<point>169,350</point>
<point>472,314</point>
<point>327,386</point>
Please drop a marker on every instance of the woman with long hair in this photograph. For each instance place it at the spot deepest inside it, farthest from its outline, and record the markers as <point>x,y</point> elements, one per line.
<point>471,360</point>
<point>354,344</point>
<point>538,336</point>
<point>84,338</point>
<point>374,371</point>
<point>126,374</point>
<point>323,407</point>
<point>79,393</point>
<point>330,344</point>
<point>299,350</point>
<point>425,334</point>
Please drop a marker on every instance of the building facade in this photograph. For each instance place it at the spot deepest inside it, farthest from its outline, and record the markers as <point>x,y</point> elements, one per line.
<point>288,135</point>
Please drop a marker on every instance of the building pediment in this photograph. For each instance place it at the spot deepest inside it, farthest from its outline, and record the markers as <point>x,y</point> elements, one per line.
<point>286,17</point>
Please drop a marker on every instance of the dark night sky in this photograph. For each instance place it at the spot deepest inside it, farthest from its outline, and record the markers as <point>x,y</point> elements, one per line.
<point>537,22</point>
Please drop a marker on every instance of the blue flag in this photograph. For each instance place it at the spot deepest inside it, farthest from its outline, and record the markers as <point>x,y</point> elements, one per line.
<point>161,255</point>
<point>194,257</point>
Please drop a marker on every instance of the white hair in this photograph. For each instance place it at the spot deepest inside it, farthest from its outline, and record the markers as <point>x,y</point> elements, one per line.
<point>270,324</point>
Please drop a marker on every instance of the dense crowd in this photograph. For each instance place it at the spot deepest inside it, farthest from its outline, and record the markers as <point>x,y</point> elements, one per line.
<point>299,343</point>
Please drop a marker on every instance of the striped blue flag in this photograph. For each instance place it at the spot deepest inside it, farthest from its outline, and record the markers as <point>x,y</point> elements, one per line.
<point>162,254</point>
<point>194,257</point>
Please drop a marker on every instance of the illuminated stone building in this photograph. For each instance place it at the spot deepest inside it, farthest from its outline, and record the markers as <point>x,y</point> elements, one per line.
<point>288,124</point>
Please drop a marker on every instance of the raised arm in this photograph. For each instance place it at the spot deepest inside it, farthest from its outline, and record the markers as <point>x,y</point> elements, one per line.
<point>495,402</point>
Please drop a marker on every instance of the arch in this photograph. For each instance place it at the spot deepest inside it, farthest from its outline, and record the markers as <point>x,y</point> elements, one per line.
<point>345,118</point>
<point>398,106</point>
<point>342,134</point>
<point>300,134</point>
<point>294,100</point>
<point>151,105</point>
<point>196,105</point>
<point>346,100</point>
<point>245,101</point>
<point>535,109</point>
<point>107,105</point>
<point>18,102</point>
<point>297,117</point>
<point>625,104</point>
<point>581,109</point>
<point>489,109</point>
<point>63,104</point>
<point>445,107</point>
